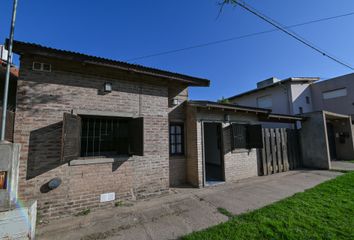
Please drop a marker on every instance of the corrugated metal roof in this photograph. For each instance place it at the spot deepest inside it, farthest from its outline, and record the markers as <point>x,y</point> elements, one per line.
<point>210,104</point>
<point>266,113</point>
<point>25,47</point>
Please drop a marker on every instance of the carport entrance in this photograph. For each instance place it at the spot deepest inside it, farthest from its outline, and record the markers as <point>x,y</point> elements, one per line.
<point>324,137</point>
<point>213,153</point>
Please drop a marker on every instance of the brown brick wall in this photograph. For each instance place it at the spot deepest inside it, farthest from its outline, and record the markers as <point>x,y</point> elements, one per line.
<point>194,149</point>
<point>42,99</point>
<point>177,114</point>
<point>178,171</point>
<point>239,164</point>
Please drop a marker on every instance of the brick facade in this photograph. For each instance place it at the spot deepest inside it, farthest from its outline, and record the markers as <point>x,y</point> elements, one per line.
<point>177,115</point>
<point>238,164</point>
<point>72,86</point>
<point>42,98</point>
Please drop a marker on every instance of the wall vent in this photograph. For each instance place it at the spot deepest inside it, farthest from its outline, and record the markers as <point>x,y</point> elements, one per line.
<point>107,197</point>
<point>43,67</point>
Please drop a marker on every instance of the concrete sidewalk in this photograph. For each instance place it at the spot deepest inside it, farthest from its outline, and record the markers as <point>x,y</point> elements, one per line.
<point>342,165</point>
<point>184,210</point>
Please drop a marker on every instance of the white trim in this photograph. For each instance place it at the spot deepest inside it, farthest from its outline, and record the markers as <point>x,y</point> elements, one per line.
<point>342,92</point>
<point>41,69</point>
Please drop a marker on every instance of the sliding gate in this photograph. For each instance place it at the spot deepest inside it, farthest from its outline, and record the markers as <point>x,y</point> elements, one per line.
<point>280,152</point>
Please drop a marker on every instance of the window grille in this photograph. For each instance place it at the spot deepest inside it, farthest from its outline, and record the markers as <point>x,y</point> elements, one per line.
<point>104,136</point>
<point>246,136</point>
<point>239,135</point>
<point>176,139</point>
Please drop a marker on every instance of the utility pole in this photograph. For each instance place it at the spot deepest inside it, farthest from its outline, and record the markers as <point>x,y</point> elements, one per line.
<point>8,69</point>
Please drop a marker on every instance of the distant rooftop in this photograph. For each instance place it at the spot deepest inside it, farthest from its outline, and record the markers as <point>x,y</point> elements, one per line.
<point>273,81</point>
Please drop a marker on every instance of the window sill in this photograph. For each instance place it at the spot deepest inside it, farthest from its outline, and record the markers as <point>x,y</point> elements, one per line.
<point>242,150</point>
<point>91,161</point>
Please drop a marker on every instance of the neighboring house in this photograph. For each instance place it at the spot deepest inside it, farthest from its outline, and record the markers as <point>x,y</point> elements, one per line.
<point>301,95</point>
<point>335,95</point>
<point>332,99</point>
<point>99,130</point>
<point>288,96</point>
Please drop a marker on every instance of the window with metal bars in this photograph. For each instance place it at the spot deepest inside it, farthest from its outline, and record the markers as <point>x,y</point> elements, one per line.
<point>104,136</point>
<point>176,139</point>
<point>246,136</point>
<point>239,136</point>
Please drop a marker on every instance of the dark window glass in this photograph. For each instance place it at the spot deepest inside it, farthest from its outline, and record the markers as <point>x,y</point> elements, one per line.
<point>102,136</point>
<point>176,139</point>
<point>46,67</point>
<point>301,110</point>
<point>37,66</point>
<point>254,136</point>
<point>308,100</point>
<point>246,136</point>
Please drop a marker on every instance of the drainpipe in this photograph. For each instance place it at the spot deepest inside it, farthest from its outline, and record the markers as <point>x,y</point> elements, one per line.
<point>8,68</point>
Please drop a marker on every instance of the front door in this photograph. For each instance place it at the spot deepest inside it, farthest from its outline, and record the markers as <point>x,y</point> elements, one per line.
<point>213,153</point>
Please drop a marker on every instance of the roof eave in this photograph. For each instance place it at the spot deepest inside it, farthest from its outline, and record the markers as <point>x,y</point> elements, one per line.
<point>22,48</point>
<point>210,105</point>
<point>264,115</point>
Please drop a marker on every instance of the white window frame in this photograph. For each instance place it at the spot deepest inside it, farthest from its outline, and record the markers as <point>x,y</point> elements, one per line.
<point>341,92</point>
<point>42,67</point>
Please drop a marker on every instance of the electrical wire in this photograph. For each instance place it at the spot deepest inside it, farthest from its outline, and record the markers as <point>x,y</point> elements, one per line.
<point>236,38</point>
<point>292,34</point>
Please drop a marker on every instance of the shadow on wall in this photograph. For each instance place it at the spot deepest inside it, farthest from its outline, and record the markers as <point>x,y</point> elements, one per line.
<point>44,150</point>
<point>29,102</point>
<point>117,163</point>
<point>147,87</point>
<point>44,153</point>
<point>227,139</point>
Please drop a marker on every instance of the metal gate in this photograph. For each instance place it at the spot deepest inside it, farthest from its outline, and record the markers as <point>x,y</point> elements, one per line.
<point>280,152</point>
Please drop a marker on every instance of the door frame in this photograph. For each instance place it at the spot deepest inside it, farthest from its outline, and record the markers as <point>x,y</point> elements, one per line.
<point>332,145</point>
<point>222,150</point>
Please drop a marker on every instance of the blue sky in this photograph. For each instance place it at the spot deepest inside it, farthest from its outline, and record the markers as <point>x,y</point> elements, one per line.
<point>125,29</point>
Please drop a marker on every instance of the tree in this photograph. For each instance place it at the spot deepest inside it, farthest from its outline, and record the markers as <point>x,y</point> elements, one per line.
<point>223,100</point>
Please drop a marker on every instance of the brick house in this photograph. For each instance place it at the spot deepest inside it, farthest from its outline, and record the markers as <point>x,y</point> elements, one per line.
<point>93,130</point>
<point>223,141</point>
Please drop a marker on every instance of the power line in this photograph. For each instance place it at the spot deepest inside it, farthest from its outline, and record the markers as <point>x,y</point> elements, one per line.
<point>292,34</point>
<point>237,37</point>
